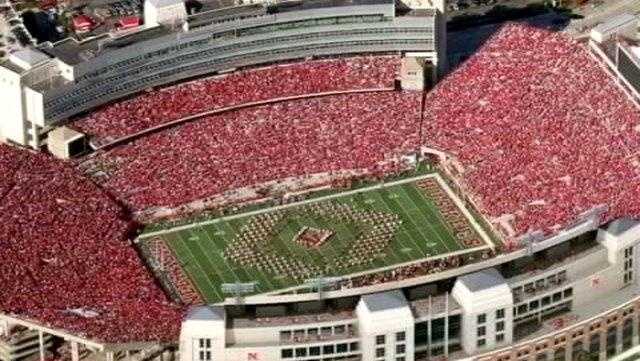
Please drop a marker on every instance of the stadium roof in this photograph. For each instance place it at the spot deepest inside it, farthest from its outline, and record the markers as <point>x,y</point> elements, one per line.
<point>379,302</point>
<point>539,131</point>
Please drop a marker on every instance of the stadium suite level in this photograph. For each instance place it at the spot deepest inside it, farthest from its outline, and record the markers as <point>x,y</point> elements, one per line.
<point>57,81</point>
<point>563,283</point>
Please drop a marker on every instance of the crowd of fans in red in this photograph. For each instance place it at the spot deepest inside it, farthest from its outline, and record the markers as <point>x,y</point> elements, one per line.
<point>312,77</point>
<point>260,144</point>
<point>64,256</point>
<point>541,129</point>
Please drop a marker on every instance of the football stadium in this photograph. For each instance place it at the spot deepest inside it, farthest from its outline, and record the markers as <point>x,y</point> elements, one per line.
<point>281,247</point>
<point>311,180</point>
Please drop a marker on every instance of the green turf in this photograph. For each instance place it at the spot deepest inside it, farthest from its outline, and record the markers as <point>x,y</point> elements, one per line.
<point>422,233</point>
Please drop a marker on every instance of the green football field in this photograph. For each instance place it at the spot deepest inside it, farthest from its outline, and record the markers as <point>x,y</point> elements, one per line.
<point>416,230</point>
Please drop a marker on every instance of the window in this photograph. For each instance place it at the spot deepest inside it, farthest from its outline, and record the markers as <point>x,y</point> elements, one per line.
<point>482,318</point>
<point>529,288</point>
<point>557,296</point>
<point>499,326</point>
<point>562,276</point>
<point>380,352</point>
<point>380,340</point>
<point>628,265</point>
<point>204,349</point>
<point>339,330</point>
<point>500,314</point>
<point>353,346</point>
<point>500,337</point>
<point>522,309</point>
<point>482,331</point>
<point>533,305</point>
<point>481,342</point>
<point>327,349</point>
<point>546,300</point>
<point>301,352</point>
<point>568,292</point>
<point>401,349</point>
<point>400,336</point>
<point>314,351</point>
<point>286,353</point>
<point>401,358</point>
<point>342,347</point>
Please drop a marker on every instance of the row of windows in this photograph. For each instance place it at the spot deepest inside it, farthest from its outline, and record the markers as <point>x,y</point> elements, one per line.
<point>332,349</point>
<point>400,346</point>
<point>382,339</point>
<point>482,330</point>
<point>544,301</point>
<point>242,32</point>
<point>334,20</point>
<point>82,96</point>
<point>481,342</point>
<point>482,317</point>
<point>400,350</point>
<point>220,50</point>
<point>540,285</point>
<point>300,334</point>
<point>204,349</point>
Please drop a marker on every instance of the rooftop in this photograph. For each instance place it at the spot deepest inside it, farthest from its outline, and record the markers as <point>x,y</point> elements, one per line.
<point>379,302</point>
<point>73,52</point>
<point>27,58</point>
<point>482,280</point>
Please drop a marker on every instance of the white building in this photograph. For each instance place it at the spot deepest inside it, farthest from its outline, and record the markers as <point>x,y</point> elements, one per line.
<point>25,78</point>
<point>164,12</point>
<point>486,315</point>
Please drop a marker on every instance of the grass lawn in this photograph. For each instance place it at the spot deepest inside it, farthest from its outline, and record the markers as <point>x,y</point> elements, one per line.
<point>421,232</point>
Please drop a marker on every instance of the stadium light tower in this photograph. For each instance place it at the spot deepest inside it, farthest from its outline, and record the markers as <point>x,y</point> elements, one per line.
<point>320,283</point>
<point>238,290</point>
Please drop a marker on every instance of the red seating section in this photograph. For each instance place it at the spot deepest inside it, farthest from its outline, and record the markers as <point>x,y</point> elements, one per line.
<point>65,260</point>
<point>152,109</point>
<point>542,130</point>
<point>265,143</point>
